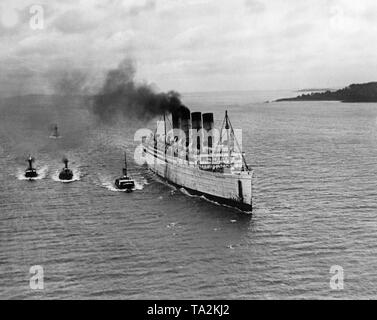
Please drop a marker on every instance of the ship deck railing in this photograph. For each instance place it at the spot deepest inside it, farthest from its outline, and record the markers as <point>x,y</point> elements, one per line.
<point>212,162</point>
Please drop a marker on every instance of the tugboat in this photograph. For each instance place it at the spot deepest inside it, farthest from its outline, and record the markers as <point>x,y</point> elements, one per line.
<point>30,172</point>
<point>125,182</point>
<point>55,133</point>
<point>65,174</point>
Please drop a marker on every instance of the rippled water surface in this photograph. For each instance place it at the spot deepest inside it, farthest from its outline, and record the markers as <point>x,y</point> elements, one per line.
<point>315,198</point>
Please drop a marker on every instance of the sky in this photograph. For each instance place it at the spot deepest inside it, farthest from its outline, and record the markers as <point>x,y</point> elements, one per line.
<point>189,45</point>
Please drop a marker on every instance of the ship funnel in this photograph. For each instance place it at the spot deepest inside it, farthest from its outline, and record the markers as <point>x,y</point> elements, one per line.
<point>208,125</point>
<point>176,119</point>
<point>181,122</point>
<point>185,127</point>
<point>196,120</point>
<point>208,121</point>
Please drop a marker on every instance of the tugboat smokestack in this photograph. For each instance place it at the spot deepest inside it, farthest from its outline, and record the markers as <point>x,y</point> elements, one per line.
<point>30,160</point>
<point>65,161</point>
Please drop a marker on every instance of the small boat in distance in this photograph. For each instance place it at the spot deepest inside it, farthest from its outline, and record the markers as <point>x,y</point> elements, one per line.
<point>31,172</point>
<point>55,133</point>
<point>65,174</point>
<point>125,182</point>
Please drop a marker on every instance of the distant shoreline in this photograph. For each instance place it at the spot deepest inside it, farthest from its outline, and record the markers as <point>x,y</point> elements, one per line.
<point>364,92</point>
<point>315,90</point>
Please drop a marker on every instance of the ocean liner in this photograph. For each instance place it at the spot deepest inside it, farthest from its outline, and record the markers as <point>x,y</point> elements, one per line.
<point>201,159</point>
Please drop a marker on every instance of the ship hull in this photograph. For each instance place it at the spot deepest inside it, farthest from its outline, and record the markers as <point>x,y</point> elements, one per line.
<point>127,185</point>
<point>233,190</point>
<point>66,175</point>
<point>247,208</point>
<point>31,173</point>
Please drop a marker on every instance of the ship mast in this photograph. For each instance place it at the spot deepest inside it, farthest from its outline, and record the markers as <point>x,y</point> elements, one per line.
<point>230,131</point>
<point>227,134</point>
<point>125,164</point>
<point>165,147</point>
<point>239,147</point>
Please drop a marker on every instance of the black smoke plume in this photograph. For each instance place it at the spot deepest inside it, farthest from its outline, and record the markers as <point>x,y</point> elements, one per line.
<point>122,96</point>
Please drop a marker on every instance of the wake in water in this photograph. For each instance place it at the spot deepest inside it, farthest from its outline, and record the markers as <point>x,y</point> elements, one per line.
<point>186,193</point>
<point>42,173</point>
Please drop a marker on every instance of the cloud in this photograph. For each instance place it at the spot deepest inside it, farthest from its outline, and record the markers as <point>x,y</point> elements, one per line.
<point>74,21</point>
<point>146,6</point>
<point>255,6</point>
<point>193,45</point>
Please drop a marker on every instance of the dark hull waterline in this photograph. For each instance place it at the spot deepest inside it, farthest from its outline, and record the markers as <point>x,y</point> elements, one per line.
<point>66,175</point>
<point>244,207</point>
<point>31,174</point>
<point>128,186</point>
